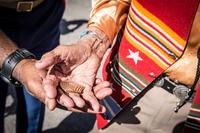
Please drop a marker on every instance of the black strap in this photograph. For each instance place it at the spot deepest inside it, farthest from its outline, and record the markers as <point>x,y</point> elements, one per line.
<point>10,62</point>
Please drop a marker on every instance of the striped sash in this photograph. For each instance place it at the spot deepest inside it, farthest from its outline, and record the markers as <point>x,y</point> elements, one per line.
<point>155,36</point>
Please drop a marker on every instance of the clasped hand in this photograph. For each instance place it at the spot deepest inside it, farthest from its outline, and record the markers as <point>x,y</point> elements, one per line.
<point>76,63</point>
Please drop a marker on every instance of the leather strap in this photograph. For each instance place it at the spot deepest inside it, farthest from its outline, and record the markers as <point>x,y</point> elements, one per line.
<point>22,6</point>
<point>10,62</point>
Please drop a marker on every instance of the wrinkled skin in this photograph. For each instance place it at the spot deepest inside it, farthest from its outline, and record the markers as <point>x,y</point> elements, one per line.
<point>184,70</point>
<point>74,63</point>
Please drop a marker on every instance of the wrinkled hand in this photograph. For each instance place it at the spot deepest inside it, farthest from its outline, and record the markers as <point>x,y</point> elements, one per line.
<point>84,74</point>
<point>100,89</point>
<point>73,63</point>
<point>32,79</point>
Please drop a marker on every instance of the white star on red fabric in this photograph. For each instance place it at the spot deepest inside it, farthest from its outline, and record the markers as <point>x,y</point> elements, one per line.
<point>135,56</point>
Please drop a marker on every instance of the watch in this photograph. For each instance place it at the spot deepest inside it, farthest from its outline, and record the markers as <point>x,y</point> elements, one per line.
<point>10,62</point>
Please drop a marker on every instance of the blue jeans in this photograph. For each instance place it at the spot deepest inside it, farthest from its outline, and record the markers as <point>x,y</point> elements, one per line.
<point>37,31</point>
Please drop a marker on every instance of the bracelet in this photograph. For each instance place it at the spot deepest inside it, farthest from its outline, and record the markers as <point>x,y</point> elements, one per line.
<point>10,62</point>
<point>89,32</point>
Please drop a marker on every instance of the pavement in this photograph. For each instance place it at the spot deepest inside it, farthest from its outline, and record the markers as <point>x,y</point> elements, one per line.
<point>60,121</point>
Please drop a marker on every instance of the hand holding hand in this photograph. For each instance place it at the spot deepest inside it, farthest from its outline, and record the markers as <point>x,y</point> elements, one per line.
<point>32,79</point>
<point>76,63</point>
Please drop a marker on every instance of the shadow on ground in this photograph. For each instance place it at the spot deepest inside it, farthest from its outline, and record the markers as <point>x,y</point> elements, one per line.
<point>75,123</point>
<point>70,26</point>
<point>11,108</point>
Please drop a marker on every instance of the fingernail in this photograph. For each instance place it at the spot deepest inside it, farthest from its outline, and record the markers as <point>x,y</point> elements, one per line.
<point>47,103</point>
<point>38,62</point>
<point>67,105</point>
<point>96,109</point>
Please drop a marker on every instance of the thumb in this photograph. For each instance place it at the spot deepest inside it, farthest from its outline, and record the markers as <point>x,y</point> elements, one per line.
<point>47,60</point>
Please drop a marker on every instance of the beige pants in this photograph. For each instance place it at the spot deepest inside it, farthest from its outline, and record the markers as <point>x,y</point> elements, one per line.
<point>153,113</point>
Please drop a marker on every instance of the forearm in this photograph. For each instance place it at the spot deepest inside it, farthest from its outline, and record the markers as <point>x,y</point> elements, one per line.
<point>6,47</point>
<point>109,16</point>
<point>100,46</point>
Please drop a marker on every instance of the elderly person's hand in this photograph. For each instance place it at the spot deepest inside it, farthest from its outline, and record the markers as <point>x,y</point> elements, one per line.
<point>77,63</point>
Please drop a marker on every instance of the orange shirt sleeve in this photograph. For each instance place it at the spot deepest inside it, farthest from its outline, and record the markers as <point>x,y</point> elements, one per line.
<point>109,16</point>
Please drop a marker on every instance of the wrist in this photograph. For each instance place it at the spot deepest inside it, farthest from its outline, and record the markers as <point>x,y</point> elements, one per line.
<point>101,35</point>
<point>18,70</point>
<point>5,55</point>
<point>10,64</point>
<point>7,47</point>
<point>97,40</point>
